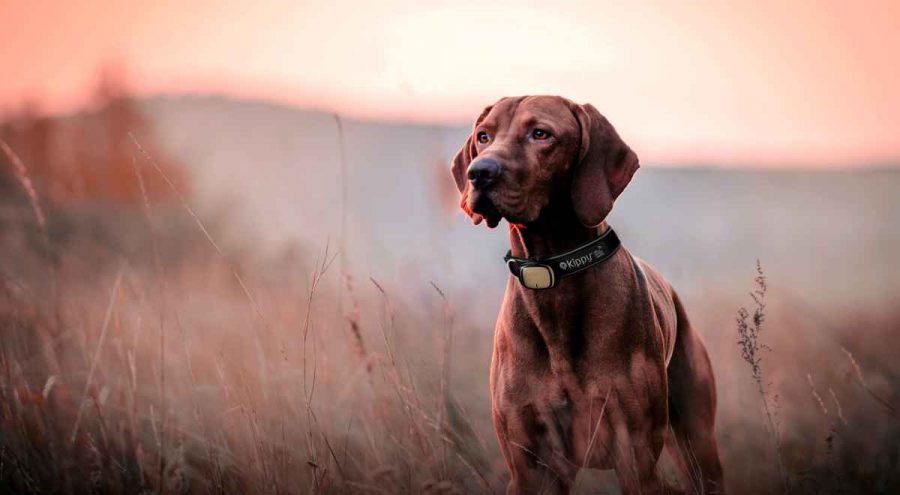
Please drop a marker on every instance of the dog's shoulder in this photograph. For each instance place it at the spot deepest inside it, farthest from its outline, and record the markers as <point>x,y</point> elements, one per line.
<point>662,298</point>
<point>654,280</point>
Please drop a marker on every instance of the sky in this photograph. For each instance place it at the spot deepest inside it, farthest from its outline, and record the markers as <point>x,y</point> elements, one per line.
<point>738,82</point>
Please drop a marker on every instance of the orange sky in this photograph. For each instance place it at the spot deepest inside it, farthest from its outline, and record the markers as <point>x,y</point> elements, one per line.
<point>741,82</point>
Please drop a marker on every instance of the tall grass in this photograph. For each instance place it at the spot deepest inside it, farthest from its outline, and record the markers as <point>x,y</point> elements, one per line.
<point>310,407</point>
<point>173,361</point>
<point>851,457</point>
<point>749,330</point>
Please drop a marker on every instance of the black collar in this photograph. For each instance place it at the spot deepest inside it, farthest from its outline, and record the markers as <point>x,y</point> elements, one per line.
<point>546,273</point>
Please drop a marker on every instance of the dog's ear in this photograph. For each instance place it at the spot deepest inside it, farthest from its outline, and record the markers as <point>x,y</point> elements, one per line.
<point>604,167</point>
<point>467,153</point>
<point>460,166</point>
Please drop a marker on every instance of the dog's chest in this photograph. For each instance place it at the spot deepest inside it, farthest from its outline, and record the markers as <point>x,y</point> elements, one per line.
<point>551,415</point>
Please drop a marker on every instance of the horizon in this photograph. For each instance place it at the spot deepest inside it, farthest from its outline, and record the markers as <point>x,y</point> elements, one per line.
<point>891,164</point>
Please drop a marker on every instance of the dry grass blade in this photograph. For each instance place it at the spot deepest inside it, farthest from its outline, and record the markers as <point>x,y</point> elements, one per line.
<point>161,283</point>
<point>815,394</point>
<point>590,445</point>
<point>862,383</point>
<point>537,459</point>
<point>87,384</point>
<point>447,344</point>
<point>187,206</point>
<point>21,173</point>
<point>342,245</point>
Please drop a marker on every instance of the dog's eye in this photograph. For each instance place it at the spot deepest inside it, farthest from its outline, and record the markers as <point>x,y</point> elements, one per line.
<point>483,137</point>
<point>540,134</point>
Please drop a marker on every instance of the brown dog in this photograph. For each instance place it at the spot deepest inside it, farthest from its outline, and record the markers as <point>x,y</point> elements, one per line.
<point>598,370</point>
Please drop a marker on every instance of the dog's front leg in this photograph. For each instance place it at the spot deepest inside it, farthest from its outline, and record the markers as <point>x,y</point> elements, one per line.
<point>533,465</point>
<point>635,464</point>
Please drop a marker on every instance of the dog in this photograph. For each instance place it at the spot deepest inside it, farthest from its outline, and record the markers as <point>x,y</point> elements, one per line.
<point>595,363</point>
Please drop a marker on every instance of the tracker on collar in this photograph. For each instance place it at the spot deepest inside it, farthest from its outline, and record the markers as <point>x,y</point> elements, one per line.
<point>546,273</point>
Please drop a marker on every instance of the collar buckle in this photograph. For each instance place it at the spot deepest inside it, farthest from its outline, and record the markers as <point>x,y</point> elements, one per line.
<point>537,276</point>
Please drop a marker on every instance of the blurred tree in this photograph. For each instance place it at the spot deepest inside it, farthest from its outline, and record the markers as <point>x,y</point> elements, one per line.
<point>88,156</point>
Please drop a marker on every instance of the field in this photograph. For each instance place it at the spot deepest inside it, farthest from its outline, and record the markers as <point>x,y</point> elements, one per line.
<point>150,342</point>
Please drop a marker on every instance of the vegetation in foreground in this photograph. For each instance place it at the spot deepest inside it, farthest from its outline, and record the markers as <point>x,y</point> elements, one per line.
<point>139,352</point>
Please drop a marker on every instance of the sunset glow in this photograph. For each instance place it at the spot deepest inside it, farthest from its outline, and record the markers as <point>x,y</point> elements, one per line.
<point>730,83</point>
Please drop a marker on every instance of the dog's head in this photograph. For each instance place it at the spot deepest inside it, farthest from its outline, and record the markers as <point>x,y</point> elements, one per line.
<point>528,152</point>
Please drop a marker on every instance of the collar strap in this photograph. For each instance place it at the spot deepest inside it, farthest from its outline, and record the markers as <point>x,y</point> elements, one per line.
<point>546,273</point>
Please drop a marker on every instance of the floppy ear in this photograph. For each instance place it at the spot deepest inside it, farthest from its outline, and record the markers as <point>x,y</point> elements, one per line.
<point>461,162</point>
<point>605,167</point>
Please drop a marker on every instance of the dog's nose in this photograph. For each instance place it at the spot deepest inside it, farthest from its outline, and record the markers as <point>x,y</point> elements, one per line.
<point>484,172</point>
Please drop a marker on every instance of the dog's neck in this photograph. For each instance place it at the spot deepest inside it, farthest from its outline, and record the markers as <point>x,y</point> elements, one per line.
<point>555,231</point>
